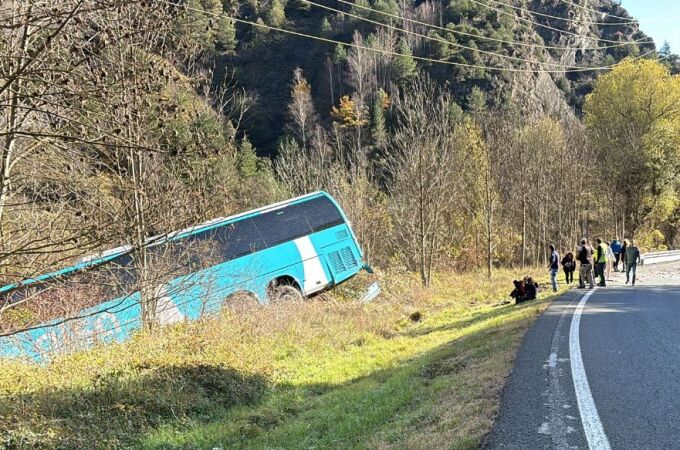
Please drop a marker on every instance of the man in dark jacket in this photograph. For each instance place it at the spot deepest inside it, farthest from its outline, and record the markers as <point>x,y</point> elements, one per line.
<point>554,266</point>
<point>585,257</point>
<point>632,259</point>
<point>601,261</point>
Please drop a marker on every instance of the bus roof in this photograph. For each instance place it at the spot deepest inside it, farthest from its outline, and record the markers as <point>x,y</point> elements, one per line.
<point>107,255</point>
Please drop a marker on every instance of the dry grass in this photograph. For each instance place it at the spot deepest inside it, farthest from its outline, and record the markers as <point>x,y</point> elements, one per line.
<point>414,369</point>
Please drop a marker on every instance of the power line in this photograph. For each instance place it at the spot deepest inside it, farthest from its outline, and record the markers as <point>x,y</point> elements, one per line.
<point>487,38</point>
<point>548,27</point>
<point>565,19</point>
<point>569,2</point>
<point>392,53</point>
<point>438,39</point>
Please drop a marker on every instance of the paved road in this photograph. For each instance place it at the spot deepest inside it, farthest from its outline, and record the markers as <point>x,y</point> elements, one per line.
<point>619,390</point>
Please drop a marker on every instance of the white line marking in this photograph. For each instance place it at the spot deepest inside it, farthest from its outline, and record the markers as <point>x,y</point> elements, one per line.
<point>597,439</point>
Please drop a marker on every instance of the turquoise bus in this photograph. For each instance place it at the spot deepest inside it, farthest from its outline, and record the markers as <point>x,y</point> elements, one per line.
<point>281,252</point>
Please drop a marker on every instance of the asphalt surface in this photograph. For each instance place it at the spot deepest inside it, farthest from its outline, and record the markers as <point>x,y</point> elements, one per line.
<point>630,348</point>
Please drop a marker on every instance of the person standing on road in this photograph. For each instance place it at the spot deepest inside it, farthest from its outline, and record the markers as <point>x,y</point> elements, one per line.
<point>569,266</point>
<point>585,257</point>
<point>616,248</point>
<point>601,261</point>
<point>611,259</point>
<point>554,266</point>
<point>623,253</point>
<point>581,281</point>
<point>632,259</point>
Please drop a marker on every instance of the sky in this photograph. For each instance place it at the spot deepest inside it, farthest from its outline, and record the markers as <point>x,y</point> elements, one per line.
<point>659,19</point>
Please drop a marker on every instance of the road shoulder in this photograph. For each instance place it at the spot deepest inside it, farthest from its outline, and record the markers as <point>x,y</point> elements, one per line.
<point>538,403</point>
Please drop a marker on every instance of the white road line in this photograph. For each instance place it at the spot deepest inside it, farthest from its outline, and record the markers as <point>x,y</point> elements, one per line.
<point>597,439</point>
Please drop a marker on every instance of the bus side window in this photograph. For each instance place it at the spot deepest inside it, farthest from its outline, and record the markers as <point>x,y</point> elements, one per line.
<point>283,224</point>
<point>238,239</point>
<point>321,213</point>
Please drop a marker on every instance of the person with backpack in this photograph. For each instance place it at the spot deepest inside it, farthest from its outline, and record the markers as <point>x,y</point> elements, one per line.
<point>585,257</point>
<point>632,259</point>
<point>569,267</point>
<point>616,249</point>
<point>554,266</point>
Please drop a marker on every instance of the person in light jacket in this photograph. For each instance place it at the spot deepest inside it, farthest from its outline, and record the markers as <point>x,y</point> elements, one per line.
<point>611,261</point>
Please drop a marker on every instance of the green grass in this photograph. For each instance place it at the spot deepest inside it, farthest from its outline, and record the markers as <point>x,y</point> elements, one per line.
<point>414,369</point>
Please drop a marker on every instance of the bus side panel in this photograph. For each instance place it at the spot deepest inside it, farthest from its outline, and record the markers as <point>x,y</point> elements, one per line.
<point>343,260</point>
<point>204,292</point>
<point>340,253</point>
<point>114,320</point>
<point>283,260</point>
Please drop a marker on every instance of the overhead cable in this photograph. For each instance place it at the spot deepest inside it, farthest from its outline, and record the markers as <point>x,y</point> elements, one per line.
<point>439,39</point>
<point>603,14</point>
<point>488,38</point>
<point>565,19</point>
<point>547,27</point>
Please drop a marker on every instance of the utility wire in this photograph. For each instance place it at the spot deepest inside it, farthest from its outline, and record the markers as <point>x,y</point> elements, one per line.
<point>569,2</point>
<point>548,27</point>
<point>439,39</point>
<point>565,19</point>
<point>392,53</point>
<point>487,38</point>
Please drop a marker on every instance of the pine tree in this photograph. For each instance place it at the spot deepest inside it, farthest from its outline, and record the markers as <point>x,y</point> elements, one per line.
<point>276,16</point>
<point>378,131</point>
<point>246,159</point>
<point>476,101</point>
<point>455,112</point>
<point>665,50</point>
<point>339,54</point>
<point>362,9</point>
<point>326,27</point>
<point>404,66</point>
<point>384,6</point>
<point>225,35</point>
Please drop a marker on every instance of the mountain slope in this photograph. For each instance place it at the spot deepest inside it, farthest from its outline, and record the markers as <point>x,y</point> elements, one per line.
<point>496,38</point>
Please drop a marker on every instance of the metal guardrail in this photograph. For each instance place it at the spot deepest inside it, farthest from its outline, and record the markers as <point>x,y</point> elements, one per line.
<point>660,257</point>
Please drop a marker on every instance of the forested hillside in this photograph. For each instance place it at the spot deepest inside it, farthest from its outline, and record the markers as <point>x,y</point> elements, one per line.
<point>503,55</point>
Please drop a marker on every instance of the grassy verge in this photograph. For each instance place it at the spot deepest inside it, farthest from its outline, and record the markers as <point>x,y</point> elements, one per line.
<point>414,369</point>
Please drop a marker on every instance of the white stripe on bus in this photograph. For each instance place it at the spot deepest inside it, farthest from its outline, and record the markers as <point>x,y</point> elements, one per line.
<point>314,277</point>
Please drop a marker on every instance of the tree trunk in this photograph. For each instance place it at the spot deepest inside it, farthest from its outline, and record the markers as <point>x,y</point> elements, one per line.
<point>524,229</point>
<point>489,245</point>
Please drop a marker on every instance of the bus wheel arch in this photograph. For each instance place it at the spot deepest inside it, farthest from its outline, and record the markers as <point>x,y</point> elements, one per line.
<point>240,301</point>
<point>284,289</point>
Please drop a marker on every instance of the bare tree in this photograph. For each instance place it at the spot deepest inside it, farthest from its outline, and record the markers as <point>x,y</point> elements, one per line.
<point>46,200</point>
<point>424,178</point>
<point>301,108</point>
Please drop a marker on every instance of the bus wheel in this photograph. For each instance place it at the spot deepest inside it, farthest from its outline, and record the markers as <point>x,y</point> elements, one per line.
<point>280,292</point>
<point>240,301</point>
